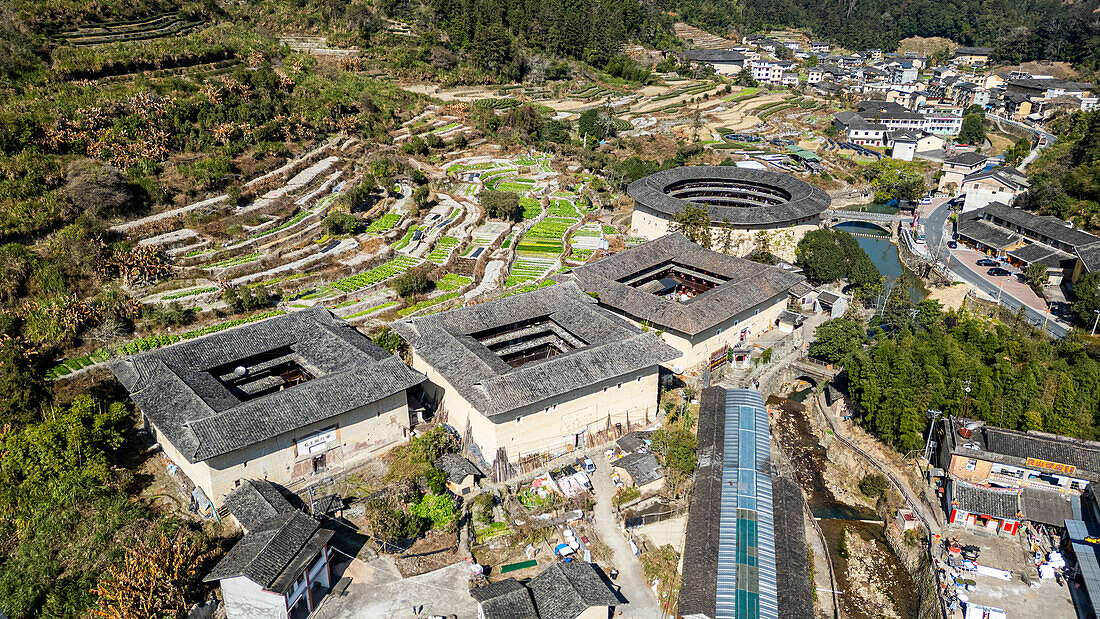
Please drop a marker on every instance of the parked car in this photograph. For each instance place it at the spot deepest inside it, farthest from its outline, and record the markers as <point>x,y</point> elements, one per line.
<point>988,262</point>
<point>926,200</point>
<point>998,272</point>
<point>589,466</point>
<point>952,244</point>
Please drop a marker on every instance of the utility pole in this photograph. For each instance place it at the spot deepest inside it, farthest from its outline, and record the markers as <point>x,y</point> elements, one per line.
<point>966,395</point>
<point>928,442</point>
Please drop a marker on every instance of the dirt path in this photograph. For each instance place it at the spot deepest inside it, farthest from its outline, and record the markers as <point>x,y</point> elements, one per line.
<point>640,601</point>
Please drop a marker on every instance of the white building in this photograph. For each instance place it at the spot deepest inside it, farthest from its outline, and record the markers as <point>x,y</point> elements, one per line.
<point>282,567</point>
<point>1001,185</point>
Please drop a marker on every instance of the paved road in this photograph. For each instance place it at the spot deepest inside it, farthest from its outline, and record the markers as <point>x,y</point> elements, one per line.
<point>641,603</point>
<point>938,231</point>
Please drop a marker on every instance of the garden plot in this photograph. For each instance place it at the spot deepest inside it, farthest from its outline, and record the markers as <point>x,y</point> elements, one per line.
<point>443,249</point>
<point>384,223</point>
<point>527,269</point>
<point>562,207</point>
<point>378,274</point>
<point>487,233</point>
<point>531,207</point>
<point>544,239</point>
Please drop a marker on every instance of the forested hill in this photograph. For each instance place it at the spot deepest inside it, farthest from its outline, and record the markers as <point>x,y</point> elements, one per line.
<point>1017,30</point>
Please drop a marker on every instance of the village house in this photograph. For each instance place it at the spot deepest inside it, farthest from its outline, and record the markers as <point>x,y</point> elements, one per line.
<point>972,55</point>
<point>820,47</point>
<point>1001,184</point>
<point>724,61</point>
<point>282,566</point>
<point>859,130</point>
<point>701,301</point>
<point>996,478</point>
<point>286,399</point>
<point>574,590</point>
<point>641,470</point>
<point>956,168</point>
<point>536,374</point>
<point>1023,238</point>
<point>461,473</point>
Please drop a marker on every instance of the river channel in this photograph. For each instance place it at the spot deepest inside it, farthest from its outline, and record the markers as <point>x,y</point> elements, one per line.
<point>792,429</point>
<point>883,252</point>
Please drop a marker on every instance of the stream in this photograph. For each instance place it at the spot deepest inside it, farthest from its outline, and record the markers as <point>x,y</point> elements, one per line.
<point>794,433</point>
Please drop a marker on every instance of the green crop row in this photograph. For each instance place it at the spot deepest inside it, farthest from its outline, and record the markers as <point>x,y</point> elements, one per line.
<point>288,223</point>
<point>224,264</point>
<point>405,240</point>
<point>496,104</point>
<point>531,208</point>
<point>188,293</point>
<point>563,208</point>
<point>452,281</point>
<point>427,303</point>
<point>384,223</point>
<point>442,249</point>
<point>373,309</point>
<point>379,273</point>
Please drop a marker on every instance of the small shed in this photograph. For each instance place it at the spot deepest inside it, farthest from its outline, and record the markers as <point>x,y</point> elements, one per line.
<point>789,321</point>
<point>461,473</point>
<point>641,470</point>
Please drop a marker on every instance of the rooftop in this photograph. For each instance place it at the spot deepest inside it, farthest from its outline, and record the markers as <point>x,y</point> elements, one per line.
<point>1016,448</point>
<point>505,599</point>
<point>714,55</point>
<point>274,554</point>
<point>517,351</point>
<point>255,501</point>
<point>643,468</point>
<point>220,393</point>
<point>457,468</point>
<point>647,282</point>
<point>736,517</point>
<point>1044,226</point>
<point>565,590</point>
<point>732,196</point>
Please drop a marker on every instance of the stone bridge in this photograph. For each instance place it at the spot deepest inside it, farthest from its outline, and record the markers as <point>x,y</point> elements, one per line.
<point>887,222</point>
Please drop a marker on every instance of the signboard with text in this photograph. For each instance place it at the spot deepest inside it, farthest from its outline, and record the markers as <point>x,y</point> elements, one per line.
<point>1067,469</point>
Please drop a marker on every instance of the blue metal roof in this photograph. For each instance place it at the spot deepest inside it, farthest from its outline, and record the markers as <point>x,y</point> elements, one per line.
<point>746,540</point>
<point>1088,555</point>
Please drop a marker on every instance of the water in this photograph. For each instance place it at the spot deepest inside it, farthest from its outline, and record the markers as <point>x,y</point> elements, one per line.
<point>792,430</point>
<point>884,254</point>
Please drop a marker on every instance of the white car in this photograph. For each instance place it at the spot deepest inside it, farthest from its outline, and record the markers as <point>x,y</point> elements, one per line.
<point>610,453</point>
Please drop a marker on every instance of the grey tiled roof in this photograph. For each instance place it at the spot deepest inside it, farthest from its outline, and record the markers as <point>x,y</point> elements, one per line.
<point>714,55</point>
<point>1090,256</point>
<point>176,389</point>
<point>1045,506</point>
<point>986,233</point>
<point>1008,179</point>
<point>1050,227</point>
<point>643,468</point>
<point>565,590</point>
<point>851,120</point>
<point>1043,254</point>
<point>1084,455</point>
<point>611,348</point>
<point>967,159</point>
<point>456,467</point>
<point>255,501</point>
<point>633,441</point>
<point>804,200</point>
<point>985,502</point>
<point>274,555</point>
<point>750,284</point>
<point>505,599</point>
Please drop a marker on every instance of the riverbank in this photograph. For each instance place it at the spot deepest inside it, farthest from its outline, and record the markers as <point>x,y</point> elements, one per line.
<point>872,579</point>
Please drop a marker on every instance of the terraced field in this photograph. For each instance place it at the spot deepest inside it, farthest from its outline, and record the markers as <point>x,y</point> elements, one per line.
<point>527,269</point>
<point>378,274</point>
<point>545,238</point>
<point>405,240</point>
<point>531,208</point>
<point>563,208</point>
<point>442,249</point>
<point>452,281</point>
<point>384,223</point>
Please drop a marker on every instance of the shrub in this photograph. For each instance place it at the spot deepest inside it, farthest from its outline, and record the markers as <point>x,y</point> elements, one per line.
<point>873,485</point>
<point>438,509</point>
<point>339,222</point>
<point>412,282</point>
